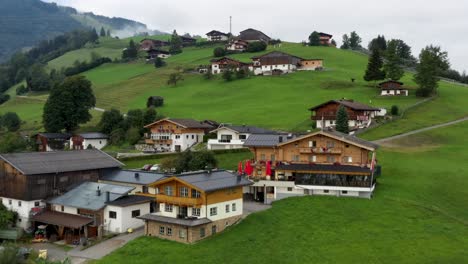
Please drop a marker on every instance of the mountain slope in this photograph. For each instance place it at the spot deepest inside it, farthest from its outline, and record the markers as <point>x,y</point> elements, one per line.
<point>24,23</point>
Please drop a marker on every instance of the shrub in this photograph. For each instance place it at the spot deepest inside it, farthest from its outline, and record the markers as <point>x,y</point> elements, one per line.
<point>219,52</point>
<point>227,75</point>
<point>256,46</point>
<point>80,67</point>
<point>117,136</point>
<point>155,101</point>
<point>158,63</point>
<point>241,74</point>
<point>394,110</point>
<point>11,121</point>
<point>133,135</point>
<point>4,98</point>
<point>21,90</point>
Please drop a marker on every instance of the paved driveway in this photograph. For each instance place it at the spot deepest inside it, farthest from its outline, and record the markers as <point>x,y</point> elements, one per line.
<point>252,207</point>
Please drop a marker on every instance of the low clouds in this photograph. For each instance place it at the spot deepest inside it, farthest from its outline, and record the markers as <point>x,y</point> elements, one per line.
<point>417,22</point>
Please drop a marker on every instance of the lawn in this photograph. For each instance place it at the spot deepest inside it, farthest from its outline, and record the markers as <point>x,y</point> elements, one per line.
<point>418,215</point>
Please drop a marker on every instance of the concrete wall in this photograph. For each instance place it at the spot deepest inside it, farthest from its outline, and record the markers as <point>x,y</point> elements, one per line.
<point>124,219</point>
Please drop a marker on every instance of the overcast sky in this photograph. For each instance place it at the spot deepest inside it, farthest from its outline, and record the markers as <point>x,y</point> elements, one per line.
<point>417,22</point>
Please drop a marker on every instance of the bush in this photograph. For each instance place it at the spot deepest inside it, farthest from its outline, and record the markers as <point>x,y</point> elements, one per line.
<point>4,98</point>
<point>117,136</point>
<point>256,46</point>
<point>219,52</point>
<point>227,75</point>
<point>80,67</point>
<point>158,63</point>
<point>208,75</point>
<point>422,92</point>
<point>20,90</point>
<point>241,74</point>
<point>11,121</point>
<point>133,135</point>
<point>155,101</point>
<point>394,110</point>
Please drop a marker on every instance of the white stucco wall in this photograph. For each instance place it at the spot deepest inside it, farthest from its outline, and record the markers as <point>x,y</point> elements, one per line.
<point>185,140</point>
<point>23,210</point>
<point>222,214</point>
<point>124,219</point>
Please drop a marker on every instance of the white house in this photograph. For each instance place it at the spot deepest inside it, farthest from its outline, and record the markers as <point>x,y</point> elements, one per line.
<point>215,35</point>
<point>233,137</point>
<point>277,62</point>
<point>84,140</point>
<point>392,88</point>
<point>23,208</point>
<point>237,45</point>
<point>121,215</point>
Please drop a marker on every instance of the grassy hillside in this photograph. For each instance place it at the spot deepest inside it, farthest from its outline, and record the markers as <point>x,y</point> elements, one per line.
<point>418,215</point>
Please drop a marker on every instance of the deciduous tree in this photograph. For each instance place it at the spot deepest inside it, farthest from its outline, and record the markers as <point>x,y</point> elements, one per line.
<point>393,64</point>
<point>314,39</point>
<point>110,120</point>
<point>432,61</point>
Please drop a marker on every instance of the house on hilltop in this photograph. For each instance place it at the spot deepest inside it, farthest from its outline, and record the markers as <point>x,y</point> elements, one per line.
<point>392,88</point>
<point>224,63</point>
<point>215,35</point>
<point>148,44</point>
<point>251,34</point>
<point>237,45</point>
<point>174,134</point>
<point>188,41</point>
<point>153,53</point>
<point>325,39</point>
<point>320,163</point>
<point>277,62</point>
<point>359,115</point>
<point>195,205</point>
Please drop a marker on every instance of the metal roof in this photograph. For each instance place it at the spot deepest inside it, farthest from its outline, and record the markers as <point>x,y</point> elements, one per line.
<point>93,135</point>
<point>32,163</point>
<point>348,103</point>
<point>214,180</point>
<point>62,219</point>
<point>187,123</point>
<point>267,140</point>
<point>176,221</point>
<point>55,135</point>
<point>131,176</point>
<point>128,200</point>
<point>85,195</point>
<point>324,167</point>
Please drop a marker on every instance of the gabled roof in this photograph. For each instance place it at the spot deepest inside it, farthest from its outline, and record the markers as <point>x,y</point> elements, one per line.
<point>253,34</point>
<point>131,176</point>
<point>391,81</point>
<point>64,136</point>
<point>32,163</point>
<point>338,136</point>
<point>325,35</point>
<point>245,129</point>
<point>348,103</point>
<point>85,195</point>
<point>187,38</point>
<point>214,180</point>
<point>276,54</point>
<point>93,135</point>
<point>216,33</point>
<point>129,200</point>
<point>228,59</point>
<point>185,123</point>
<point>267,140</point>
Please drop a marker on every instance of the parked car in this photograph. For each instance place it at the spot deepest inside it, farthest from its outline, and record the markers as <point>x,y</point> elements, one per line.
<point>146,167</point>
<point>155,167</point>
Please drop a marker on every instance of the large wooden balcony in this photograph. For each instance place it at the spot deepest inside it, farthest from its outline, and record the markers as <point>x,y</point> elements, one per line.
<point>175,200</point>
<point>320,150</point>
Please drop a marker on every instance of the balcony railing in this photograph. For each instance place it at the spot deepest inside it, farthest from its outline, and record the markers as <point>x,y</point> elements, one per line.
<point>187,201</point>
<point>226,141</point>
<point>334,180</point>
<point>320,150</point>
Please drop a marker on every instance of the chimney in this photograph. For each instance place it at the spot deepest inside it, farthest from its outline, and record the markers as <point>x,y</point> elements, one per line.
<point>98,191</point>
<point>107,196</point>
<point>239,177</point>
<point>137,175</point>
<point>280,139</point>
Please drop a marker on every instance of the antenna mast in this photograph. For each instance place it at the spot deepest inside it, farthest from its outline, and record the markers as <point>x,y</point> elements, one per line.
<point>230,25</point>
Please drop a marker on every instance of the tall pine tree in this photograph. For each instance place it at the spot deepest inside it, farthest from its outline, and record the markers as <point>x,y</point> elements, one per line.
<point>342,120</point>
<point>392,65</point>
<point>374,70</point>
<point>103,32</point>
<point>176,43</point>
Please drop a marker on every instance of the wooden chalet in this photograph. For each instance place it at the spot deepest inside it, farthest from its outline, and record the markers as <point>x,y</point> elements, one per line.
<point>148,44</point>
<point>175,134</point>
<point>153,53</point>
<point>195,205</point>
<point>325,39</point>
<point>225,63</point>
<point>320,163</point>
<point>188,41</point>
<point>215,35</point>
<point>237,45</point>
<point>51,141</point>
<point>27,179</point>
<point>251,34</point>
<point>392,88</point>
<point>359,115</point>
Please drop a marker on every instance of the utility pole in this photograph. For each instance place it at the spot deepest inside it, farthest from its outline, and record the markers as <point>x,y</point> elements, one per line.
<point>230,25</point>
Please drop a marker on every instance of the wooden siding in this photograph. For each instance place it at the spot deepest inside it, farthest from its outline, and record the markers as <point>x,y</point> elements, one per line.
<point>330,110</point>
<point>169,127</point>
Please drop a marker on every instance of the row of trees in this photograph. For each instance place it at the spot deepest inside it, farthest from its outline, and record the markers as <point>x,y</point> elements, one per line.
<point>351,41</point>
<point>126,128</point>
<point>190,161</point>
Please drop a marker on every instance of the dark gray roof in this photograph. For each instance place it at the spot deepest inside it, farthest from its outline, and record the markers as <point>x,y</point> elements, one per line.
<point>348,103</point>
<point>128,200</point>
<point>248,129</point>
<point>176,221</point>
<point>65,136</point>
<point>267,140</point>
<point>253,34</point>
<point>60,161</point>
<point>129,176</point>
<point>93,135</point>
<point>216,180</point>
<point>85,195</point>
<point>188,123</point>
<point>323,167</point>
<point>216,33</point>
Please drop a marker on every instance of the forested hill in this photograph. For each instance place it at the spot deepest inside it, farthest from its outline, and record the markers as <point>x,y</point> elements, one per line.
<point>24,23</point>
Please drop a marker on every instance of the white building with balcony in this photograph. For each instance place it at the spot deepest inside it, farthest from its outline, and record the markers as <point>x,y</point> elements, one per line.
<point>233,137</point>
